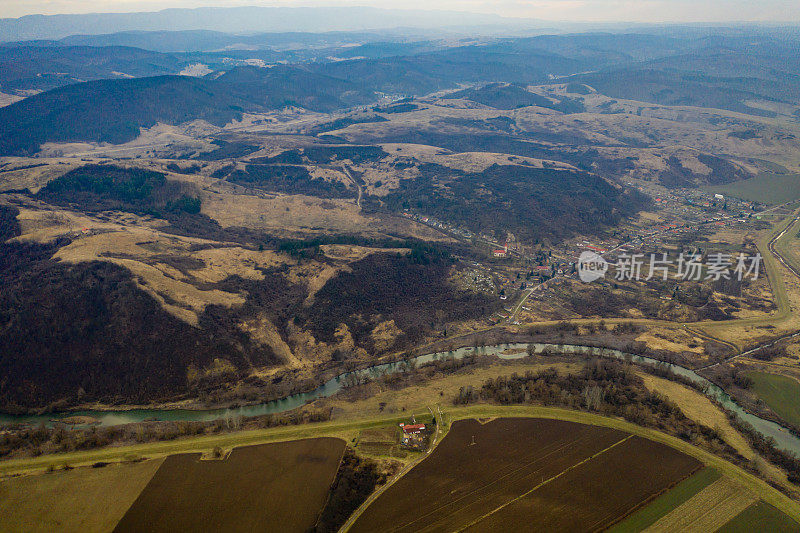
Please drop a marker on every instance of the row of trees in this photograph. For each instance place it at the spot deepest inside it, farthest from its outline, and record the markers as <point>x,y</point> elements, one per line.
<point>608,387</point>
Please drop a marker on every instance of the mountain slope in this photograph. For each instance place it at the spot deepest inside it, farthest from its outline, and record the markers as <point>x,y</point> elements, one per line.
<point>111,111</point>
<point>241,20</point>
<point>42,68</point>
<point>114,110</point>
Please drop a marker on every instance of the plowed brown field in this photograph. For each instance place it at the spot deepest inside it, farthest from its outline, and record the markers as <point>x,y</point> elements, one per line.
<point>527,474</point>
<point>278,487</point>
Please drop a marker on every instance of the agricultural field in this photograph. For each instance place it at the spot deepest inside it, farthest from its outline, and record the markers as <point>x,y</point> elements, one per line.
<point>381,441</point>
<point>707,501</point>
<point>82,499</point>
<point>708,510</point>
<point>780,393</point>
<point>760,517</point>
<point>507,474</point>
<point>685,490</point>
<point>270,487</point>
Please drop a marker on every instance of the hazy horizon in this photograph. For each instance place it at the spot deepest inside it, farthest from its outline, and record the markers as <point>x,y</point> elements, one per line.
<point>597,11</point>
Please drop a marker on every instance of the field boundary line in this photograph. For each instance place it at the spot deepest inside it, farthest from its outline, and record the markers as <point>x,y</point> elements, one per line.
<point>714,506</point>
<point>333,483</point>
<point>555,448</point>
<point>543,483</point>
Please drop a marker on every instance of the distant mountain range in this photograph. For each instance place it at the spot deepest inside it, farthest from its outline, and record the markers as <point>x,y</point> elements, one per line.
<point>724,72</point>
<point>210,41</point>
<point>244,20</point>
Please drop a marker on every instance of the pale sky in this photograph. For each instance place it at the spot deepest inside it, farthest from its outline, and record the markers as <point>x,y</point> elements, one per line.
<point>564,10</point>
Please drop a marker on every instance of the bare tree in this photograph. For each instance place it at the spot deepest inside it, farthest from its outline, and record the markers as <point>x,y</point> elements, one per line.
<point>593,396</point>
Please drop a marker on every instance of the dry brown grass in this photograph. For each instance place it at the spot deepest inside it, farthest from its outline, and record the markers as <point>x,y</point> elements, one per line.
<point>285,214</point>
<point>672,340</point>
<point>190,137</point>
<point>221,263</point>
<point>700,409</point>
<point>166,284</point>
<point>263,331</point>
<point>32,178</point>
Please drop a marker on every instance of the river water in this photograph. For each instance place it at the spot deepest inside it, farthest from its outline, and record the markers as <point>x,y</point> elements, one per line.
<point>783,438</point>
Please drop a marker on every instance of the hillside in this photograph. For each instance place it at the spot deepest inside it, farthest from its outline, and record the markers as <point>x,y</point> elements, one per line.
<point>114,110</point>
<point>329,213</point>
<point>40,68</point>
<point>724,77</point>
<point>427,72</point>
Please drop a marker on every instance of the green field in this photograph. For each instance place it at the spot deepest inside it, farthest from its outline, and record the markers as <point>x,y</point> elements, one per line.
<point>766,188</point>
<point>651,513</point>
<point>781,394</point>
<point>760,517</point>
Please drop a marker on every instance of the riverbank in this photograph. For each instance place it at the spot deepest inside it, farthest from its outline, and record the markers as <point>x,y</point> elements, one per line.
<point>782,437</point>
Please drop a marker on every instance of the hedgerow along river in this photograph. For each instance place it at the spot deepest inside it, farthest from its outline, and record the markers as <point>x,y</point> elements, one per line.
<point>784,439</point>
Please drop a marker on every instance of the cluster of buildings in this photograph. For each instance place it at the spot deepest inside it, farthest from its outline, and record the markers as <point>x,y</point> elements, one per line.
<point>438,224</point>
<point>414,435</point>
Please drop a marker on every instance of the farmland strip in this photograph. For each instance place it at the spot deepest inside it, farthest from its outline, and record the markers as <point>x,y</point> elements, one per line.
<point>708,510</point>
<point>761,516</point>
<point>667,502</point>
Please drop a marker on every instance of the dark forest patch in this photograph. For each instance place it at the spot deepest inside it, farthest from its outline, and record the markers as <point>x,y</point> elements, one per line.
<point>108,187</point>
<point>87,332</point>
<point>228,150</point>
<point>9,226</point>
<point>533,203</point>
<point>344,122</point>
<point>356,480</point>
<point>676,175</point>
<point>406,107</point>
<point>413,290</point>
<point>291,180</point>
<point>513,96</point>
<point>722,170</point>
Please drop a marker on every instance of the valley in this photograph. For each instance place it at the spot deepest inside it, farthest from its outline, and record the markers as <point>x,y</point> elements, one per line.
<point>350,282</point>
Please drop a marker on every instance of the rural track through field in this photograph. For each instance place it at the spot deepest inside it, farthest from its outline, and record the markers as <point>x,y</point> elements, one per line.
<point>543,483</point>
<point>346,170</point>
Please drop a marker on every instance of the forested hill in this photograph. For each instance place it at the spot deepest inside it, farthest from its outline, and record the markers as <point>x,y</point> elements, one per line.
<point>114,110</point>
<point>41,68</point>
<point>731,75</point>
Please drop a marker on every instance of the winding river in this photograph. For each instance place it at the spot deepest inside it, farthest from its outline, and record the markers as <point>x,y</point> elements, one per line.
<point>783,438</point>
